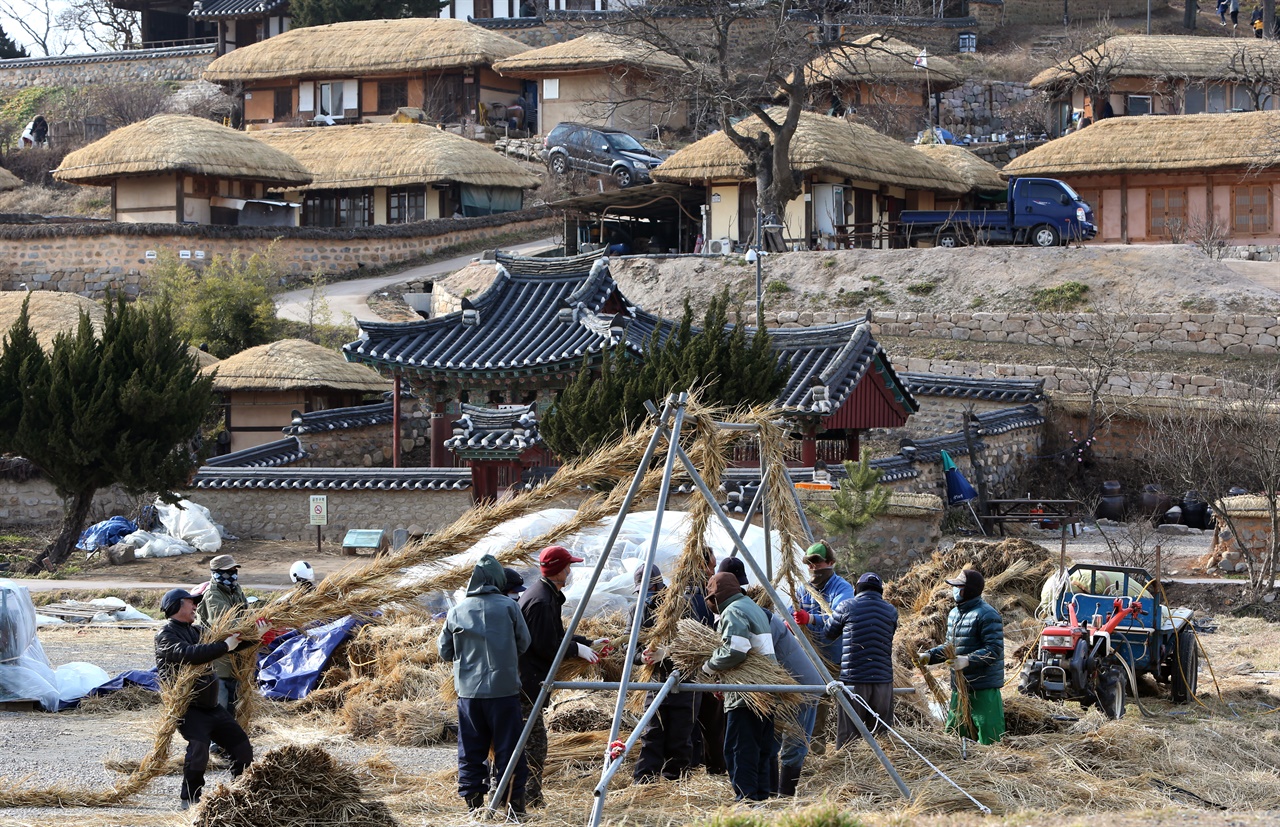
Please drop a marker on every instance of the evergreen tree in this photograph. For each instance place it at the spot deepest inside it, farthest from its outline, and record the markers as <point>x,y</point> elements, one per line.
<point>321,12</point>
<point>719,360</point>
<point>121,409</point>
<point>858,501</point>
<point>228,305</point>
<point>9,49</point>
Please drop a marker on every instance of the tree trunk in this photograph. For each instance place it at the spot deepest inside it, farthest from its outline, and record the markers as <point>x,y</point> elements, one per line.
<point>74,513</point>
<point>1269,20</point>
<point>1189,14</point>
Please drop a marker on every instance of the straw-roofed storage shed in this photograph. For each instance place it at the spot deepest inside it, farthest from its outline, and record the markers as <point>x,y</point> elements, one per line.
<point>182,169</point>
<point>602,79</point>
<point>982,178</point>
<point>367,70</point>
<point>881,76</point>
<point>9,181</point>
<point>1162,75</point>
<point>263,386</point>
<point>394,173</point>
<point>1157,179</point>
<point>856,181</point>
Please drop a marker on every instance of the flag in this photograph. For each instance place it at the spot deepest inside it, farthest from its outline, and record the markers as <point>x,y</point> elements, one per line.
<point>958,488</point>
<point>922,59</point>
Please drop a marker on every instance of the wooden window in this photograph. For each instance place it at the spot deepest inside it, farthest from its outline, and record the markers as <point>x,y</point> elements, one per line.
<point>482,9</point>
<point>392,94</point>
<point>338,208</point>
<point>283,105</point>
<point>406,204</point>
<point>1251,210</point>
<point>1166,212</point>
<point>202,186</point>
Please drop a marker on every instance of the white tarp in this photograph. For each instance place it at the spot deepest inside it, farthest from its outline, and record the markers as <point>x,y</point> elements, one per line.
<point>616,587</point>
<point>25,673</point>
<point>147,544</point>
<point>190,522</point>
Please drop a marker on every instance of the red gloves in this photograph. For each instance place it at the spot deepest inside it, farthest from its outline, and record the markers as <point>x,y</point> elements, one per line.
<point>802,617</point>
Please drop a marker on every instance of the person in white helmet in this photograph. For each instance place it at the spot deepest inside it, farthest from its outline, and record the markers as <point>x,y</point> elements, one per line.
<point>303,576</point>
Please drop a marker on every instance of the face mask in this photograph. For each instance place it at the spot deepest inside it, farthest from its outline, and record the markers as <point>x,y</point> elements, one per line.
<point>956,591</point>
<point>226,580</point>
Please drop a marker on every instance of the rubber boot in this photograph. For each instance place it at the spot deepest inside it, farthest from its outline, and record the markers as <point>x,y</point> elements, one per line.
<point>475,801</point>
<point>790,778</point>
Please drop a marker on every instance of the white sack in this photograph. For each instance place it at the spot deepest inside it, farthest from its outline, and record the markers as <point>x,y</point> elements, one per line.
<point>191,522</point>
<point>75,679</point>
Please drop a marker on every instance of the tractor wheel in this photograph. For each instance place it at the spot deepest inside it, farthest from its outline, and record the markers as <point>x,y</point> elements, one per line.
<point>1184,668</point>
<point>1029,684</point>
<point>1110,693</point>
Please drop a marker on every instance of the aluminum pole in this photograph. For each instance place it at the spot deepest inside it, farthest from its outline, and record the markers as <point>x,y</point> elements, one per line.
<point>649,686</point>
<point>764,513</point>
<point>545,691</point>
<point>612,764</point>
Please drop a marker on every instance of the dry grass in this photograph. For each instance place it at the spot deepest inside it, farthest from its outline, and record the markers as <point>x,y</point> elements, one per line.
<point>695,643</point>
<point>90,202</point>
<point>130,698</point>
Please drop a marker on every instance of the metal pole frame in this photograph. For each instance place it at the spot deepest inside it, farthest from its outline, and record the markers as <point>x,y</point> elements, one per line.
<point>507,774</point>
<point>611,764</point>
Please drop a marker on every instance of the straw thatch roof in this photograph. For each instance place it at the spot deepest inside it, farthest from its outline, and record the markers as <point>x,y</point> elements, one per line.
<point>203,357</point>
<point>821,145</point>
<point>1135,56</point>
<point>9,181</point>
<point>50,313</point>
<point>394,155</point>
<point>1245,505</point>
<point>365,47</point>
<point>977,173</point>
<point>183,144</point>
<point>1175,143</point>
<point>593,51</point>
<point>292,364</point>
<point>877,58</point>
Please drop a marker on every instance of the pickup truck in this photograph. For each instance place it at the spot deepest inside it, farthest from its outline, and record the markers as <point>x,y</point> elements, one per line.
<point>1043,212</point>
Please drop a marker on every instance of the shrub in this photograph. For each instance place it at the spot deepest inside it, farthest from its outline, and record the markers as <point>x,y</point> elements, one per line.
<point>777,286</point>
<point>1066,296</point>
<point>922,288</point>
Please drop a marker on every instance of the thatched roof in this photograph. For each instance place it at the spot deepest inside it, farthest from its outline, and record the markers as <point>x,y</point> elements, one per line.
<point>1135,56</point>
<point>203,357</point>
<point>9,181</point>
<point>183,144</point>
<point>877,58</point>
<point>1235,140</point>
<point>363,48</point>
<point>593,51</point>
<point>1245,505</point>
<point>821,144</point>
<point>292,364</point>
<point>394,155</point>
<point>50,313</point>
<point>974,171</point>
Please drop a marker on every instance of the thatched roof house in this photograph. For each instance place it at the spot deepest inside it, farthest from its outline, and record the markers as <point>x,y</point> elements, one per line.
<point>50,313</point>
<point>601,79</point>
<point>1154,179</point>
<point>9,181</point>
<point>400,172</point>
<point>264,385</point>
<point>856,182</point>
<point>179,168</point>
<point>369,69</point>
<point>1163,75</point>
<point>980,176</point>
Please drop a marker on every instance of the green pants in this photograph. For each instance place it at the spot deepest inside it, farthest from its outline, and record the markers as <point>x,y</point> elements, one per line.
<point>986,707</point>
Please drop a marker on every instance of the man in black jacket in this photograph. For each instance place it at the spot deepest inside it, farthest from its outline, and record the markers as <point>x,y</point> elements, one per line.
<point>540,604</point>
<point>204,721</point>
<point>668,739</point>
<point>866,624</point>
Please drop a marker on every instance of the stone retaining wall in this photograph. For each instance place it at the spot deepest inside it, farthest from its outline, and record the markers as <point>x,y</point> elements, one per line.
<point>983,107</point>
<point>35,503</point>
<point>92,258</point>
<point>1067,380</point>
<point>180,65</point>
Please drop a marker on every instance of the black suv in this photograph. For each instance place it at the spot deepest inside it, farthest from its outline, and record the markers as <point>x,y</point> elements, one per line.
<point>598,150</point>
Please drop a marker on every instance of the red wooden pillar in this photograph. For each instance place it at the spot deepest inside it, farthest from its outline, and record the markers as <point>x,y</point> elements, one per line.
<point>809,446</point>
<point>395,424</point>
<point>440,431</point>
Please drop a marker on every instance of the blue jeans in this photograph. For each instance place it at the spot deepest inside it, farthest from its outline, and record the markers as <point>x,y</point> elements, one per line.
<point>794,748</point>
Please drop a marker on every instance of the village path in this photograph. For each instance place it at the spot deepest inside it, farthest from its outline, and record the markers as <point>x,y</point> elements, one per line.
<point>1265,273</point>
<point>352,296</point>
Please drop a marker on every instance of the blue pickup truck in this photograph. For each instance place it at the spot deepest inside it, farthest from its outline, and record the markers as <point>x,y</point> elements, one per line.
<point>1042,212</point>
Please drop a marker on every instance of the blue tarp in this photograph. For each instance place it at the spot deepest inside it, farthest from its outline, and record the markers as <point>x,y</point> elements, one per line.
<point>134,677</point>
<point>106,533</point>
<point>291,668</point>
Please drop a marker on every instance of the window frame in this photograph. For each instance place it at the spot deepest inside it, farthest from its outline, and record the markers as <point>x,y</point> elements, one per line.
<point>1162,230</point>
<point>1253,191</point>
<point>389,92</point>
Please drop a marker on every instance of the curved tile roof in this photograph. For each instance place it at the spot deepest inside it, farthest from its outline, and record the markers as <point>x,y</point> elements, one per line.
<point>972,387</point>
<point>335,479</point>
<point>270,455</point>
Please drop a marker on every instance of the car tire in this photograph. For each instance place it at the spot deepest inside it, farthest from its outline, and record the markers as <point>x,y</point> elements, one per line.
<point>558,164</point>
<point>623,177</point>
<point>949,239</point>
<point>1045,236</point>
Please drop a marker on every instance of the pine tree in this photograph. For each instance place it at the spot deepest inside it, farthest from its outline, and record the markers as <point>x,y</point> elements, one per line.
<point>120,408</point>
<point>9,49</point>
<point>858,501</point>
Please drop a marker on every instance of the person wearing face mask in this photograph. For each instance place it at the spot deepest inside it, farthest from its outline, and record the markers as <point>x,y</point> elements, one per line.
<point>223,596</point>
<point>815,618</point>
<point>976,630</point>
<point>515,584</point>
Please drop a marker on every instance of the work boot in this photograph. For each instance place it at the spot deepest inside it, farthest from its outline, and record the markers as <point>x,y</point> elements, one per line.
<point>790,777</point>
<point>475,801</point>
<point>518,811</point>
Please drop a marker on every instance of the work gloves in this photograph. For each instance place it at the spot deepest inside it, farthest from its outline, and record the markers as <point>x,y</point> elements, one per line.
<point>603,647</point>
<point>922,658</point>
<point>960,662</point>
<point>654,656</point>
<point>587,653</point>
<point>802,617</point>
<point>232,641</point>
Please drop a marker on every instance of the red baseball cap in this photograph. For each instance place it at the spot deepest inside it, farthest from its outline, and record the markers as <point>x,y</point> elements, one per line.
<point>554,559</point>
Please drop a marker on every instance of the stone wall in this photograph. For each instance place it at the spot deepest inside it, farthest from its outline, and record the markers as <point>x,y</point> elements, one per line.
<point>34,502</point>
<point>983,107</point>
<point>897,542</point>
<point>942,414</point>
<point>92,258</point>
<point>180,64</point>
<point>369,445</point>
<point>1067,380</point>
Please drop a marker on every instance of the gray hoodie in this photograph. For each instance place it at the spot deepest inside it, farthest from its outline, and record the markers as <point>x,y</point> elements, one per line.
<point>484,636</point>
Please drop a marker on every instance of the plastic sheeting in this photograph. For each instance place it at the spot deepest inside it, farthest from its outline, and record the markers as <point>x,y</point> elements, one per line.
<point>25,673</point>
<point>615,590</point>
<point>147,544</point>
<point>296,660</point>
<point>106,533</point>
<point>190,522</point>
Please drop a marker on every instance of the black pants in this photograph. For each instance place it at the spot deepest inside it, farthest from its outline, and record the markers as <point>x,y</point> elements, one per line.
<point>668,740</point>
<point>535,749</point>
<point>204,726</point>
<point>484,724</point>
<point>708,734</point>
<point>749,744</point>
<point>880,697</point>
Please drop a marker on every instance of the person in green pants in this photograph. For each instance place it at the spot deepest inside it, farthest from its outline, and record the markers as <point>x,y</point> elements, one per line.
<point>976,630</point>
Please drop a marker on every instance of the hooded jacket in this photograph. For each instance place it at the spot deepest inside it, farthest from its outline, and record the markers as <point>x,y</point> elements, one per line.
<point>178,644</point>
<point>540,604</point>
<point>743,628</point>
<point>866,624</point>
<point>977,630</point>
<point>484,636</point>
<point>217,601</point>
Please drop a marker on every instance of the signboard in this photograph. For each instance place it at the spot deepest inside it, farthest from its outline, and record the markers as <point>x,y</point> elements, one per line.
<point>319,509</point>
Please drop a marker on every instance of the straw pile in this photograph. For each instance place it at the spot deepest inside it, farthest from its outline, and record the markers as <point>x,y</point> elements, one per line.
<point>130,698</point>
<point>694,643</point>
<point>293,786</point>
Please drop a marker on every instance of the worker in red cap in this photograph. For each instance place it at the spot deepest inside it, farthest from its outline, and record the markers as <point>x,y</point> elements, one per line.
<point>541,604</point>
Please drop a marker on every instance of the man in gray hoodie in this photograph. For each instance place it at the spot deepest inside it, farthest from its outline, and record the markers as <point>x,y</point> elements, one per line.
<point>484,636</point>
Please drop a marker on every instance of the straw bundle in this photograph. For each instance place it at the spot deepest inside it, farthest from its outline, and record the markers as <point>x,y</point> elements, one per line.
<point>780,495</point>
<point>130,698</point>
<point>1029,715</point>
<point>575,750</point>
<point>394,155</point>
<point>585,711</point>
<point>292,786</point>
<point>179,144</point>
<point>292,364</point>
<point>694,643</point>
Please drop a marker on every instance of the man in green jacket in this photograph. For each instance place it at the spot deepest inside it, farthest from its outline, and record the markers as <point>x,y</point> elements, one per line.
<point>222,596</point>
<point>976,630</point>
<point>749,740</point>
<point>484,636</point>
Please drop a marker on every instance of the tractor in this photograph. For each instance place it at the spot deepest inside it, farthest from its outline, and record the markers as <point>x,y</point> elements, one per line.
<point>1107,628</point>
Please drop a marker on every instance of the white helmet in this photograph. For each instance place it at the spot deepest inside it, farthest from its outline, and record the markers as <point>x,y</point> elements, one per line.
<point>301,570</point>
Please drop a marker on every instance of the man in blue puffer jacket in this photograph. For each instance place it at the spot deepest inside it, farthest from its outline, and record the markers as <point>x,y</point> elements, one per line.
<point>977,630</point>
<point>866,625</point>
<point>821,560</point>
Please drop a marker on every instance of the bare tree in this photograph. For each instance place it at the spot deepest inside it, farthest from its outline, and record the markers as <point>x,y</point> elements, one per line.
<point>1131,544</point>
<point>101,25</point>
<point>1255,68</point>
<point>38,21</point>
<point>1091,61</point>
<point>124,103</point>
